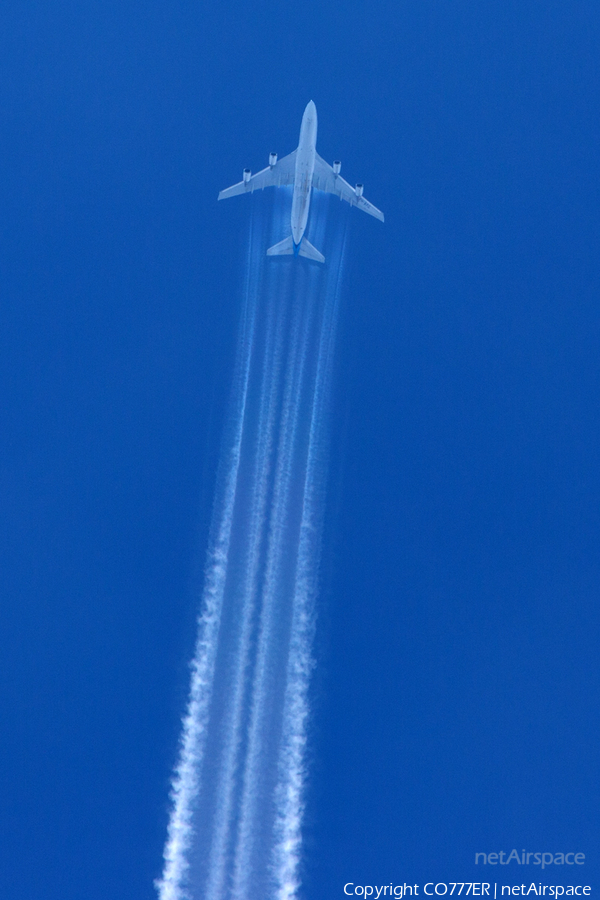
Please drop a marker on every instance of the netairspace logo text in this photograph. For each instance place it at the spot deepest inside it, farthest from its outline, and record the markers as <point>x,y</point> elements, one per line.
<point>524,859</point>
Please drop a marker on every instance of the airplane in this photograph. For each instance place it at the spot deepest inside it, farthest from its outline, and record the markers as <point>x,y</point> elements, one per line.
<point>305,169</point>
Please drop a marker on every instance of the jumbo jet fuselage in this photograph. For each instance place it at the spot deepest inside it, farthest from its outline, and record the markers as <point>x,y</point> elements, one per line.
<point>305,166</point>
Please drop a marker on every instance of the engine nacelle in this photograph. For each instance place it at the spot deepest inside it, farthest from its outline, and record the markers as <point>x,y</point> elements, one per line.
<point>358,190</point>
<point>337,166</point>
<point>247,175</point>
<point>272,159</point>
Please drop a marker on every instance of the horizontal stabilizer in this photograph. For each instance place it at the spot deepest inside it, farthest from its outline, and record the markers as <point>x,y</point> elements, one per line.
<point>283,248</point>
<point>287,248</point>
<point>310,252</point>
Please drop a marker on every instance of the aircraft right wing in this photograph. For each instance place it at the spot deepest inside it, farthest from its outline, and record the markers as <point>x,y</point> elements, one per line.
<point>281,173</point>
<point>325,179</point>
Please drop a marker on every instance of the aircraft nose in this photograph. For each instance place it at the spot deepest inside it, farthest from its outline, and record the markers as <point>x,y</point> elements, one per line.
<point>310,107</point>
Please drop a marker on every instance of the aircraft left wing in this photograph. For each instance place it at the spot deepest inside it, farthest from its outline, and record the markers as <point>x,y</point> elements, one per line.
<point>280,173</point>
<point>325,179</point>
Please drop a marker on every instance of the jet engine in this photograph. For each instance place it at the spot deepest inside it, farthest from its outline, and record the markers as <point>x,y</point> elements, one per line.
<point>336,166</point>
<point>272,159</point>
<point>358,190</point>
<point>247,176</point>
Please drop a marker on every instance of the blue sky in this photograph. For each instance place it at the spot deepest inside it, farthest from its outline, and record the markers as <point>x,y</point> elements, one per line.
<point>455,697</point>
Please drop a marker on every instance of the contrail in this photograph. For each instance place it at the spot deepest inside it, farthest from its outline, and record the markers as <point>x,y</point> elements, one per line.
<point>238,789</point>
<point>291,770</point>
<point>186,779</point>
<point>274,588</point>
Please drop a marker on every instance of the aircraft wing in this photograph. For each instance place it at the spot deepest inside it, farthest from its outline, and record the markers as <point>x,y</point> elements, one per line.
<point>325,179</point>
<point>281,173</point>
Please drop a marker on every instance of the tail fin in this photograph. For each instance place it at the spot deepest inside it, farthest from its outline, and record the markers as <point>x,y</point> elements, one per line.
<point>286,248</point>
<point>310,252</point>
<point>283,248</point>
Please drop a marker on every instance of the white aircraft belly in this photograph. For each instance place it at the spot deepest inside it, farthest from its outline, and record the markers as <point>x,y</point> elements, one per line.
<point>305,165</point>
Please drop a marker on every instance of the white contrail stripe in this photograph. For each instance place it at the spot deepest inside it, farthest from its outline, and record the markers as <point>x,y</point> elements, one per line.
<point>290,788</point>
<point>238,791</point>
<point>298,346</point>
<point>186,779</point>
<point>260,477</point>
